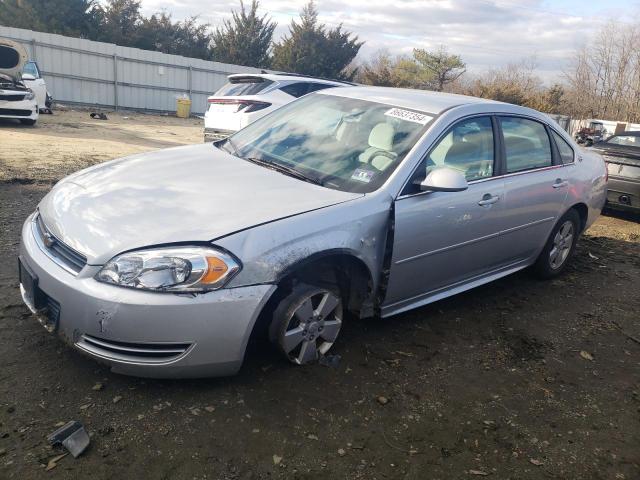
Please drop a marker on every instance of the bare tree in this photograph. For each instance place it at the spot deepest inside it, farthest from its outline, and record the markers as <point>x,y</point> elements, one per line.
<point>604,81</point>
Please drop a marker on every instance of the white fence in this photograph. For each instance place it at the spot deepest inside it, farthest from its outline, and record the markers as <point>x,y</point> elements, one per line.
<point>85,72</point>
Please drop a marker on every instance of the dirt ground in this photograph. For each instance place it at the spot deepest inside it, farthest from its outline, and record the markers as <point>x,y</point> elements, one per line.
<point>67,141</point>
<point>519,379</point>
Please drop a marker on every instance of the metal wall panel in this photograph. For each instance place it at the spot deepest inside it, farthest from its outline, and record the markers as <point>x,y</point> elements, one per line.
<point>84,72</point>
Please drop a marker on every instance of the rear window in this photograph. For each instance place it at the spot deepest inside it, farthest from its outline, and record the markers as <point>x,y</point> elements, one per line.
<point>526,144</point>
<point>244,86</point>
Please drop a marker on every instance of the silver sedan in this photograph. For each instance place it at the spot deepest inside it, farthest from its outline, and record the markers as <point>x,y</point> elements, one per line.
<point>368,201</point>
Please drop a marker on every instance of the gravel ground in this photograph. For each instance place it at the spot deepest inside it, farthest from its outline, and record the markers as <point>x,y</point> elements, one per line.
<point>519,379</point>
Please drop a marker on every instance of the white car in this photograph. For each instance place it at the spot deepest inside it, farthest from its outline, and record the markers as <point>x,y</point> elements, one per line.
<point>17,100</point>
<point>248,97</point>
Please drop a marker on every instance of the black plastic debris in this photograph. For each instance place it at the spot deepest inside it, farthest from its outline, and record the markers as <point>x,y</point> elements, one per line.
<point>98,116</point>
<point>71,436</point>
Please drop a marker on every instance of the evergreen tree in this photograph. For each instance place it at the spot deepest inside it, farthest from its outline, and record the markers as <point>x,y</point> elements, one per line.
<point>311,49</point>
<point>444,67</point>
<point>120,22</point>
<point>187,38</point>
<point>245,39</point>
<point>77,18</point>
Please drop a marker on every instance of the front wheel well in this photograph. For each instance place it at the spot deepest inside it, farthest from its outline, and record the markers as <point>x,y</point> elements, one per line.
<point>347,273</point>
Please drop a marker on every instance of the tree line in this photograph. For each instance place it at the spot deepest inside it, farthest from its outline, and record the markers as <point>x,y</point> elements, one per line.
<point>246,39</point>
<point>602,81</point>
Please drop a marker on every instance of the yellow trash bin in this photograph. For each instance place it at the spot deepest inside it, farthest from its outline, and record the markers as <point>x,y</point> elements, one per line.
<point>183,107</point>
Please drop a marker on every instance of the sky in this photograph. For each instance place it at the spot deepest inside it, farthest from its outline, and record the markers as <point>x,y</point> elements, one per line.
<point>486,33</point>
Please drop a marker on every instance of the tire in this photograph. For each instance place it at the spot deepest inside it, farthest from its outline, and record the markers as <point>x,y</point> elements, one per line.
<point>306,323</point>
<point>27,121</point>
<point>560,246</point>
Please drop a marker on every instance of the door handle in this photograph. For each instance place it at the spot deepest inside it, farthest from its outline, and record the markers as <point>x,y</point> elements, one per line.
<point>488,199</point>
<point>560,183</point>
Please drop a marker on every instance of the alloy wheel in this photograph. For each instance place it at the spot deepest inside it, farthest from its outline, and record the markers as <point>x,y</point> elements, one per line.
<point>312,327</point>
<point>562,243</point>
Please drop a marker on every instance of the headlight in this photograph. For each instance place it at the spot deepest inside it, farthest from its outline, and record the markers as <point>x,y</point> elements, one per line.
<point>174,269</point>
<point>30,95</point>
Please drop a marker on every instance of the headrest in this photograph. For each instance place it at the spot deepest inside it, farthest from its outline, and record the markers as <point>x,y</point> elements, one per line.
<point>381,136</point>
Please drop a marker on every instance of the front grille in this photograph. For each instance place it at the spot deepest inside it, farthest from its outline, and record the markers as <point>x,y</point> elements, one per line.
<point>133,352</point>
<point>12,98</point>
<point>62,254</point>
<point>14,112</point>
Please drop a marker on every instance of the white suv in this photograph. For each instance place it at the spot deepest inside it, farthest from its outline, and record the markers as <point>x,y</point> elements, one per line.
<point>17,100</point>
<point>248,97</point>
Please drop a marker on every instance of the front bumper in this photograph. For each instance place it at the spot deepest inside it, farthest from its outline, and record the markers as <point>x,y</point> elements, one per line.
<point>22,109</point>
<point>623,193</point>
<point>160,335</point>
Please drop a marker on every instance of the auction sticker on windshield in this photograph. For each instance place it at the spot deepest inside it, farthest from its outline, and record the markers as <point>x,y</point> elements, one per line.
<point>362,175</point>
<point>408,115</point>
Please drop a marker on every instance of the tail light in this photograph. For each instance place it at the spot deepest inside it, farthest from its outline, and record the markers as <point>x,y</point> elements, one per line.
<point>246,106</point>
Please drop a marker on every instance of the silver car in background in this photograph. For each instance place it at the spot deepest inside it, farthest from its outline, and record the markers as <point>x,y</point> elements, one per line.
<point>365,200</point>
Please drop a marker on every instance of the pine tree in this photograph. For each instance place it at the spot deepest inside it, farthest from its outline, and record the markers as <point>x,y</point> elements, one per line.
<point>120,22</point>
<point>78,18</point>
<point>311,49</point>
<point>245,39</point>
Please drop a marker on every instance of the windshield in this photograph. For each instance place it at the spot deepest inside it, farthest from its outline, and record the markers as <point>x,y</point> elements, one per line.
<point>30,68</point>
<point>341,143</point>
<point>625,140</point>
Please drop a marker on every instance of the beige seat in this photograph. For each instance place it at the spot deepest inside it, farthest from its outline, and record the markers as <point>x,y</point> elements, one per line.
<point>379,154</point>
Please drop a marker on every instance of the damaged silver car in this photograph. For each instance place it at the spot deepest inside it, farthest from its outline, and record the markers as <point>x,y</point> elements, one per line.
<point>363,200</point>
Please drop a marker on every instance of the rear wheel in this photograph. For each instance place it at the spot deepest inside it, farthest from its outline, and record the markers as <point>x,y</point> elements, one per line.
<point>559,247</point>
<point>27,121</point>
<point>306,323</point>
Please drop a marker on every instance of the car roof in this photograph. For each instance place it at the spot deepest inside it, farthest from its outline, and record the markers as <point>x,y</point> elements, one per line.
<point>425,100</point>
<point>275,77</point>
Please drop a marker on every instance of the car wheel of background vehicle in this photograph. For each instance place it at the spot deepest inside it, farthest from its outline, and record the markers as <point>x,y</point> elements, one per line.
<point>559,247</point>
<point>27,121</point>
<point>306,323</point>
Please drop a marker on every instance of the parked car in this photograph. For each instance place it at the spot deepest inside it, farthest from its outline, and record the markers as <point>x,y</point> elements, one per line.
<point>248,97</point>
<point>621,153</point>
<point>365,200</point>
<point>17,100</point>
<point>32,78</point>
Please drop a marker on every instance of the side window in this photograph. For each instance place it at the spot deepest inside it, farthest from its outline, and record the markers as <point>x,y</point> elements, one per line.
<point>526,144</point>
<point>467,147</point>
<point>296,89</point>
<point>566,152</point>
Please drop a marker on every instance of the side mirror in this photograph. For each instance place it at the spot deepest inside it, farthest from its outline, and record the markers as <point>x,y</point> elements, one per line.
<point>28,76</point>
<point>444,179</point>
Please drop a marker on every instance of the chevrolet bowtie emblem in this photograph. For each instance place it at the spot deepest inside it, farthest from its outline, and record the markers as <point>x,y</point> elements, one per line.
<point>48,239</point>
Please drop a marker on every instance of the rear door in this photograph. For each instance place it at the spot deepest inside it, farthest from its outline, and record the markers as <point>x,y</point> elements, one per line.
<point>536,183</point>
<point>444,239</point>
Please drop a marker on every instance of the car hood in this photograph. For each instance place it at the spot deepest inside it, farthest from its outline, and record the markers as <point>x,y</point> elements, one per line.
<point>13,56</point>
<point>186,194</point>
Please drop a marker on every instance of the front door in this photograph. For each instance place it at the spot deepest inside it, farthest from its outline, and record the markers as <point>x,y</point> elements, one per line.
<point>442,239</point>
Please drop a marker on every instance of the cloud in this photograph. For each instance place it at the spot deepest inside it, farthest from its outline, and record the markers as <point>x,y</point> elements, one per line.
<point>486,33</point>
